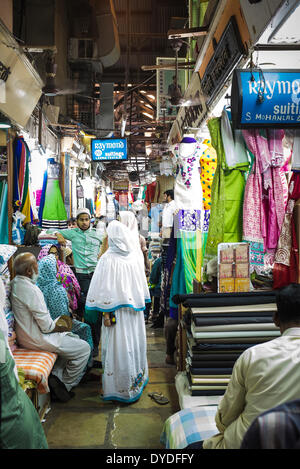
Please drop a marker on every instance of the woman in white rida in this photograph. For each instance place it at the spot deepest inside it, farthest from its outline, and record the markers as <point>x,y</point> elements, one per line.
<point>119,291</point>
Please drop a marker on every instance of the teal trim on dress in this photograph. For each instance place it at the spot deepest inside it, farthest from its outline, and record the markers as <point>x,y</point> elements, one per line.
<point>133,399</point>
<point>116,307</point>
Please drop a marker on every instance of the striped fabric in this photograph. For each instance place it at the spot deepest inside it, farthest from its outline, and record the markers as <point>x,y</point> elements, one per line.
<point>188,426</point>
<point>37,366</point>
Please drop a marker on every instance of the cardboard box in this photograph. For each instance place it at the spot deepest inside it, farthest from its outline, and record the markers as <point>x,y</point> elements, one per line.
<point>227,255</point>
<point>241,270</point>
<point>242,284</point>
<point>226,285</point>
<point>225,270</point>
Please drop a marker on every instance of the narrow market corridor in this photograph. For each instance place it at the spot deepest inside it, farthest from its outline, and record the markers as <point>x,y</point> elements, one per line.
<point>86,422</point>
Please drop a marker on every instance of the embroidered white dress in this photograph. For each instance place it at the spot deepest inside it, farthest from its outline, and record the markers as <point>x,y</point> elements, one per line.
<point>187,188</point>
<point>119,286</point>
<point>124,357</point>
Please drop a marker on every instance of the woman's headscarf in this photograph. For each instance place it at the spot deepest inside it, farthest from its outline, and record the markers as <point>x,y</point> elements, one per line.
<point>55,295</point>
<point>119,280</point>
<point>128,219</point>
<point>65,276</point>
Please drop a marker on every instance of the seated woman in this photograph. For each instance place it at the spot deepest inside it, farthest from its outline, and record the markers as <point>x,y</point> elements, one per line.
<point>56,299</point>
<point>65,274</point>
<point>119,290</point>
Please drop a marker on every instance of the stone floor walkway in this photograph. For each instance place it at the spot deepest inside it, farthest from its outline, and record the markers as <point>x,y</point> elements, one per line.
<point>86,422</point>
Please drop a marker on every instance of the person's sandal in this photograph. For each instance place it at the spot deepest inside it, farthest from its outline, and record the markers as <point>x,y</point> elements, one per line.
<point>159,398</point>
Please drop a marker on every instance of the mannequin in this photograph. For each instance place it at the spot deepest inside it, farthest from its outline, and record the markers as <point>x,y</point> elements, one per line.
<point>187,189</point>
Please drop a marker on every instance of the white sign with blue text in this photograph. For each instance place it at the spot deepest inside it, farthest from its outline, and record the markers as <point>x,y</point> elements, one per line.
<point>266,98</point>
<point>109,149</point>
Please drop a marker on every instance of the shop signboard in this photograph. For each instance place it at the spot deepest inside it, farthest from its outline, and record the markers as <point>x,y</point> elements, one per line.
<point>191,113</point>
<point>265,98</point>
<point>227,53</point>
<point>109,149</point>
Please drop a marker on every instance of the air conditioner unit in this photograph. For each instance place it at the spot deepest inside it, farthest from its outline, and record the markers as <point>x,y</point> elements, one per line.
<point>82,49</point>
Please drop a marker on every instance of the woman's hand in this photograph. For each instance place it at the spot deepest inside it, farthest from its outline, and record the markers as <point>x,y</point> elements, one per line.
<point>107,321</point>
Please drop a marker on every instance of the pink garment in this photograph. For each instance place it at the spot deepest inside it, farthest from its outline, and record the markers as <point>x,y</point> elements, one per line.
<point>268,153</point>
<point>253,215</point>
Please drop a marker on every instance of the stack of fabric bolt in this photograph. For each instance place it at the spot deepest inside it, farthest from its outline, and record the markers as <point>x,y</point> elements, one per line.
<point>222,327</point>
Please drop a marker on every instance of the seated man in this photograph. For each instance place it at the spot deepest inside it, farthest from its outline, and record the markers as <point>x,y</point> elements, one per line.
<point>20,426</point>
<point>278,428</point>
<point>264,376</point>
<point>37,331</point>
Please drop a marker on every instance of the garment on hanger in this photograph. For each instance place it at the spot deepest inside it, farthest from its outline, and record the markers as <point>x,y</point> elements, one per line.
<point>3,213</point>
<point>187,188</point>
<point>226,214</point>
<point>264,203</point>
<point>54,212</point>
<point>286,265</point>
<point>21,178</point>
<point>208,163</point>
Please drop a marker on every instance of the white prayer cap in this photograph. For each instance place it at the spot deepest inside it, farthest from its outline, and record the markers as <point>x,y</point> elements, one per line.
<point>83,210</point>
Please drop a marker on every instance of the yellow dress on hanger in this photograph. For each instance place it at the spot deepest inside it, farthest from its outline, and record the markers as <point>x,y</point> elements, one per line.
<point>208,163</point>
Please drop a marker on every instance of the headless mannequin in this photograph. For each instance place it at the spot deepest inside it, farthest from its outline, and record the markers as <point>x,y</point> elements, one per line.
<point>187,190</point>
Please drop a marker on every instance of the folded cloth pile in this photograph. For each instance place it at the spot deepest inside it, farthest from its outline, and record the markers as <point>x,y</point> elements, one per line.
<point>223,325</point>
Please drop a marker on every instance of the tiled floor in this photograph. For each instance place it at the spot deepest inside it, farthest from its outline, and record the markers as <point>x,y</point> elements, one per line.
<point>87,422</point>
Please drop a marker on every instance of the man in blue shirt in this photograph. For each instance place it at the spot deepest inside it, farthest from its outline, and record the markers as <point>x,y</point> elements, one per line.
<point>86,243</point>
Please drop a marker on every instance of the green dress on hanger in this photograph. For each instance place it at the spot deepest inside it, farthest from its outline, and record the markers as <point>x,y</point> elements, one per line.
<point>226,216</point>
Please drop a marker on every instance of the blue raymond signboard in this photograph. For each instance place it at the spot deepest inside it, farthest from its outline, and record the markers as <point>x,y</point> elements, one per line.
<point>109,149</point>
<point>265,98</point>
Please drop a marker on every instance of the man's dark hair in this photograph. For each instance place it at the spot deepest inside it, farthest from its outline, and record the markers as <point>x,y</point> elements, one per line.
<point>288,303</point>
<point>170,193</point>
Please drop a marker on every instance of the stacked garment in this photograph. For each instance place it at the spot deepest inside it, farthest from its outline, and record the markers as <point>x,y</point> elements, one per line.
<point>222,327</point>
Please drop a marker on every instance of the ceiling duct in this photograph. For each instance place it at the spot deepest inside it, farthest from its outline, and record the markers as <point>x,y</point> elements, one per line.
<point>95,33</point>
<point>108,38</point>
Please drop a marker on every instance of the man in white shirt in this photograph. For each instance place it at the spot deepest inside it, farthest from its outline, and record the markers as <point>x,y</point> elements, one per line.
<point>168,214</point>
<point>36,330</point>
<point>264,376</point>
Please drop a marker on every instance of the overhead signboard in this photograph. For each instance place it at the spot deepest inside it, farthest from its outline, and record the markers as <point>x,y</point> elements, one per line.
<point>191,113</point>
<point>265,98</point>
<point>109,149</point>
<point>227,53</point>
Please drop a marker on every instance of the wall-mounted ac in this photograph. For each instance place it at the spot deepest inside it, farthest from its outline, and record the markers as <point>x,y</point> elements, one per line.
<point>82,49</point>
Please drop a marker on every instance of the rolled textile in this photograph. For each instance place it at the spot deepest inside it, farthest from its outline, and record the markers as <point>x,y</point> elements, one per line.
<point>236,327</point>
<point>234,334</point>
<point>211,372</point>
<point>225,299</point>
<point>196,346</point>
<point>207,321</point>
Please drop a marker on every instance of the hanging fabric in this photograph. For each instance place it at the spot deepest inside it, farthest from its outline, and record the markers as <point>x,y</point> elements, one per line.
<point>208,163</point>
<point>286,266</point>
<point>3,214</point>
<point>226,215</point>
<point>42,200</point>
<point>264,203</point>
<point>54,213</point>
<point>21,179</point>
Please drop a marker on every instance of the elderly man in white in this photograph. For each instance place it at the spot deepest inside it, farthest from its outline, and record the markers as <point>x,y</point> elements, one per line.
<point>36,330</point>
